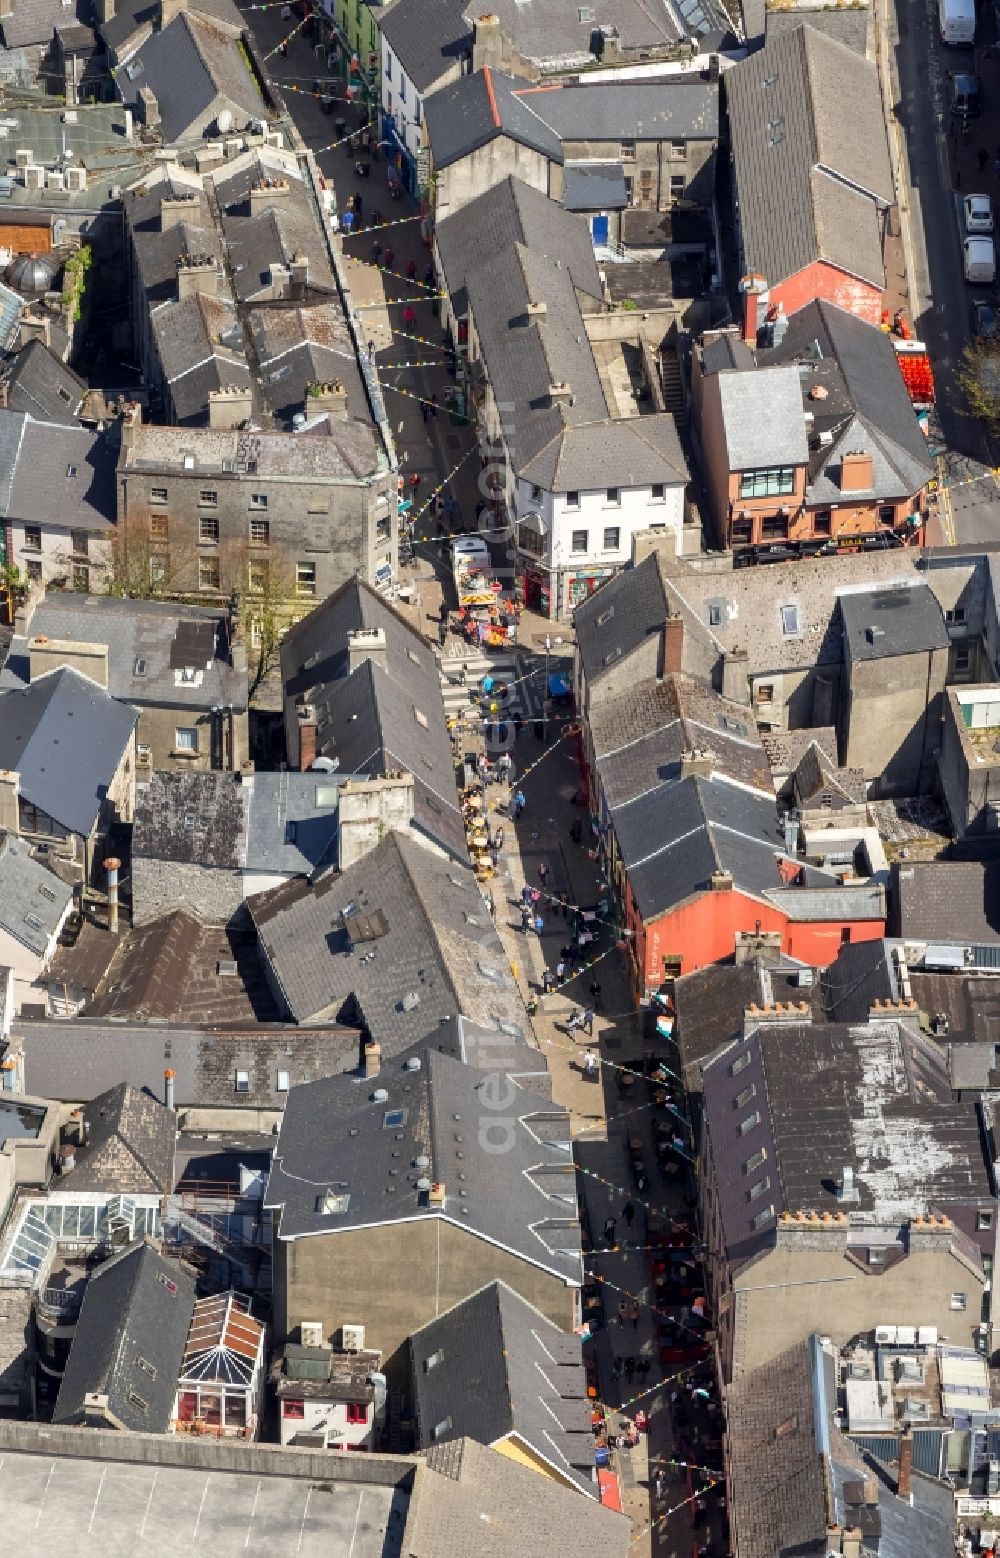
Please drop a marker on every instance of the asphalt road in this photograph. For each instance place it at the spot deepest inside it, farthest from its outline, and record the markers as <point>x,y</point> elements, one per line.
<point>921,65</point>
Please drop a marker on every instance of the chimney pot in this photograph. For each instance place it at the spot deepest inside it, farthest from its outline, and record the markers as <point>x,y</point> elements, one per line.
<point>373,1060</point>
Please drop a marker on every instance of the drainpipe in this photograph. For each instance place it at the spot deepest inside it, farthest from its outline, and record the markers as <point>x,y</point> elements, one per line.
<point>168,1088</point>
<point>112,867</point>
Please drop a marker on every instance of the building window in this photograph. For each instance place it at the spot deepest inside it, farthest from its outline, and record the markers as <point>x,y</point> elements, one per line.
<point>613,497</point>
<point>763,1217</point>
<point>243,1081</point>
<point>357,1412</point>
<point>984,1218</point>
<point>81,579</point>
<point>572,500</point>
<point>208,528</point>
<point>157,494</point>
<point>158,527</point>
<point>579,541</point>
<point>208,573</point>
<point>33,569</point>
<point>159,568</point>
<point>536,493</point>
<point>627,149</point>
<point>755,1161</point>
<point>823,522</point>
<point>294,1409</point>
<point>789,620</point>
<point>258,500</point>
<point>208,497</point>
<point>260,532</point>
<point>963,659</point>
<point>658,492</point>
<point>677,184</point>
<point>185,739</point>
<point>774,528</point>
<point>284,1081</point>
<point>887,517</point>
<point>305,578</point>
<point>765,692</point>
<point>741,532</point>
<point>756,1191</point>
<point>258,572</point>
<point>742,1099</point>
<point>774,482</point>
<point>715,616</point>
<point>79,542</point>
<point>530,538</point>
<point>678,148</point>
<point>32,538</point>
<point>740,1063</point>
<point>612,538</point>
<point>958,1301</point>
<point>749,1121</point>
<point>845,935</point>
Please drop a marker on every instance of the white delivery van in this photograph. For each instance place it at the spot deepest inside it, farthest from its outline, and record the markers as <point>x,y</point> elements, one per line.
<point>957,20</point>
<point>979,260</point>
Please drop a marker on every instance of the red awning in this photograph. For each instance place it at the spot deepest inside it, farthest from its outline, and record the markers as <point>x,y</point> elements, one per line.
<point>611,1496</point>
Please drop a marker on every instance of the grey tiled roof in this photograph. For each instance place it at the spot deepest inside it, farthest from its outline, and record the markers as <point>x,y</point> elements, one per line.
<point>880,624</point>
<point>946,901</point>
<point>131,1145</point>
<point>511,213</point>
<point>475,1500</point>
<point>74,1060</point>
<point>199,342</point>
<point>559,34</point>
<point>59,475</point>
<point>620,616</point>
<point>33,901</point>
<point>437,958</point>
<point>190,66</point>
<point>860,975</point>
<point>710,1003</point>
<point>595,187</point>
<point>136,1306</point>
<point>34,21</point>
<point>286,227</point>
<point>428,37</point>
<point>866,901</point>
<point>386,734</point>
<point>149,643</point>
<point>763,418</point>
<point>865,405</point>
<point>334,1139</point>
<point>132,17</point>
<point>65,736</point>
<point>504,1369</point>
<point>39,384</point>
<point>470,112</point>
<point>627,452</point>
<point>810,157</point>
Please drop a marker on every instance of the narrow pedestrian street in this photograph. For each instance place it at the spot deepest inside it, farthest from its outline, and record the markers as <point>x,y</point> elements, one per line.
<point>636,1188</point>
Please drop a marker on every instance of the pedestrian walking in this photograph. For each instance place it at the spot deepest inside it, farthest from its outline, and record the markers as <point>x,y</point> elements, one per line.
<point>495,855</point>
<point>623,1311</point>
<point>539,924</point>
<point>527,919</point>
<point>518,805</point>
<point>590,1074</point>
<point>616,1370</point>
<point>630,1369</point>
<point>564,903</point>
<point>357,205</point>
<point>628,1212</point>
<point>435,407</point>
<point>429,276</point>
<point>376,253</point>
<point>409,320</point>
<point>389,257</point>
<point>491,905</point>
<point>560,970</point>
<point>588,1020</point>
<point>424,411</point>
<point>543,873</point>
<point>609,1222</point>
<point>500,836</point>
<point>595,991</point>
<point>411,270</point>
<point>415,480</point>
<point>633,1314</point>
<point>576,831</point>
<point>526,893</point>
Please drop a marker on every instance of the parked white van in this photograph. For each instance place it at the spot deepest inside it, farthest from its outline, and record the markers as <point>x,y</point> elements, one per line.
<point>957,20</point>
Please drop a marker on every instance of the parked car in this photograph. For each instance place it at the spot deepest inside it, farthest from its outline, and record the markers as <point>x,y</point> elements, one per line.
<point>965,93</point>
<point>984,320</point>
<point>978,214</point>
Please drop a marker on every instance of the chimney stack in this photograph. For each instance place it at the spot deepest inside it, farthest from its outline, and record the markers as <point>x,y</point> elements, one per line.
<point>265,192</point>
<point>169,9</point>
<point>373,1060</point>
<point>306,715</point>
<point>112,866</point>
<point>229,408</point>
<point>696,764</point>
<point>176,208</point>
<point>435,1195</point>
<point>751,290</point>
<point>487,42</point>
<point>148,108</point>
<point>329,398</point>
<point>856,471</point>
<point>735,673</point>
<point>905,1465</point>
<point>168,1088</point>
<point>560,393</point>
<point>10,810</point>
<point>196,273</point>
<point>366,644</point>
<point>673,644</point>
<point>299,270</point>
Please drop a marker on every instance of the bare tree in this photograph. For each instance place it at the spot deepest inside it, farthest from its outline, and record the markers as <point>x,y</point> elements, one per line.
<point>261,593</point>
<point>978,378</point>
<point>145,567</point>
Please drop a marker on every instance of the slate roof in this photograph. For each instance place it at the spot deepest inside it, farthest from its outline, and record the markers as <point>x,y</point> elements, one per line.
<point>476,1500</point>
<point>286,226</point>
<point>150,643</point>
<point>262,822</point>
<point>65,736</point>
<point>73,1061</point>
<point>158,249</point>
<point>861,974</point>
<point>620,616</point>
<point>34,21</point>
<point>428,37</point>
<point>513,213</point>
<point>810,156</point>
<point>56,475</point>
<point>136,1306</point>
<point>881,624</point>
<point>130,1150</point>
<point>332,453</point>
<point>132,17</point>
<point>500,1369</point>
<point>436,958</point>
<point>639,737</point>
<point>199,342</point>
<point>762,418</point>
<point>627,452</point>
<point>385,735</point>
<point>815,774</point>
<point>711,1001</point>
<point>866,405</point>
<point>468,113</point>
<point>595,187</point>
<point>946,901</point>
<point>190,66</point>
<point>335,1141</point>
<point>672,839</point>
<point>33,900</point>
<point>874,1096</point>
<point>43,387</point>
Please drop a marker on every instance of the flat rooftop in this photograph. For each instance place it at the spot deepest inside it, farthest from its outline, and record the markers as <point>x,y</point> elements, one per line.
<point>105,1509</point>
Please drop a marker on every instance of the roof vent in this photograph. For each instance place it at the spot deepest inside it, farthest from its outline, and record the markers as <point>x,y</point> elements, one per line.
<point>410,1001</point>
<point>423,1185</point>
<point>413,1064</point>
<point>380,1096</point>
<point>422,1162</point>
<point>873,632</point>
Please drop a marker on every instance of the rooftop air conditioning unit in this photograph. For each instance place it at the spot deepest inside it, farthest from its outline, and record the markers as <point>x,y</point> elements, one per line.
<point>34,178</point>
<point>76,179</point>
<point>885,1335</point>
<point>352,1338</point>
<point>311,1332</point>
